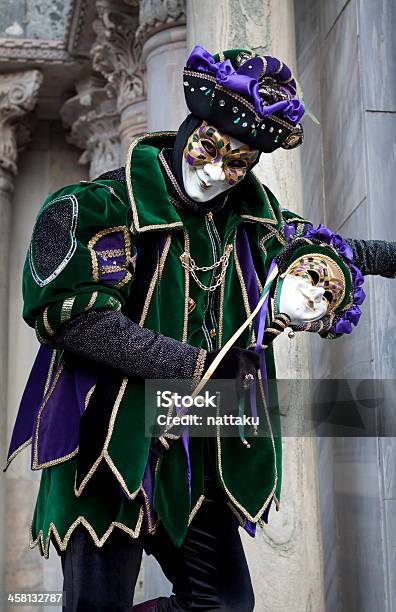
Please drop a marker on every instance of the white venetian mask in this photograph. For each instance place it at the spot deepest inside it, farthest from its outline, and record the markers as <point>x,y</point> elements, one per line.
<point>213,162</point>
<point>302,301</point>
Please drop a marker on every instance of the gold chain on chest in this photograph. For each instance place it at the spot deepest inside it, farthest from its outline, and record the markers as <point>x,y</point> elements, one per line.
<point>189,264</point>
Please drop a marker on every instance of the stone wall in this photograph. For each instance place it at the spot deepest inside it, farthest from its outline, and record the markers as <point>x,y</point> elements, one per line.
<point>345,52</point>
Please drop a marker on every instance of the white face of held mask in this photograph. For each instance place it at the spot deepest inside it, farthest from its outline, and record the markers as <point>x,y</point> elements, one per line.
<point>301,301</point>
<point>209,180</point>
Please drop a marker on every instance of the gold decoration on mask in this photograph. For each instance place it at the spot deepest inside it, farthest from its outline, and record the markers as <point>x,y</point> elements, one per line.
<point>321,271</point>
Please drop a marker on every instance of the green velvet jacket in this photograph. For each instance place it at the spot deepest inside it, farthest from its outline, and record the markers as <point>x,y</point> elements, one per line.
<point>146,221</point>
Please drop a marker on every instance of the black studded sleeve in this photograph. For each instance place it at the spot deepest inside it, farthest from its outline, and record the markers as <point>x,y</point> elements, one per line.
<point>377,257</point>
<point>110,338</point>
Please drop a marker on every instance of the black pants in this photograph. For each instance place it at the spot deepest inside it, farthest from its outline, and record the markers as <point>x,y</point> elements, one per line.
<point>208,572</point>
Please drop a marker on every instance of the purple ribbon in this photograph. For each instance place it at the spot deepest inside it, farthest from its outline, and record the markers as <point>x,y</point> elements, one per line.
<point>186,445</point>
<point>263,313</point>
<point>245,81</point>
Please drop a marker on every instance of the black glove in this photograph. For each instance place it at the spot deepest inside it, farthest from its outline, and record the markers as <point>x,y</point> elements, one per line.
<point>235,364</point>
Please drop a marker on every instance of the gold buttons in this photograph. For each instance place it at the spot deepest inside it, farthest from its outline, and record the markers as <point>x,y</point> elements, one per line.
<point>210,216</point>
<point>212,333</point>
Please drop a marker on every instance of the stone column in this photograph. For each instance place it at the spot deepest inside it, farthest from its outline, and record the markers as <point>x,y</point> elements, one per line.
<point>94,121</point>
<point>285,559</point>
<point>18,96</point>
<point>117,56</point>
<point>162,31</point>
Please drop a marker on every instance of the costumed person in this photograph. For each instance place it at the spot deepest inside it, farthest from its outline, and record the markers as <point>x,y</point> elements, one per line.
<point>146,273</point>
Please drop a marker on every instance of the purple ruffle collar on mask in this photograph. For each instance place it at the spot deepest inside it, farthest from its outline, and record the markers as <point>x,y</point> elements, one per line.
<point>244,80</point>
<point>343,321</point>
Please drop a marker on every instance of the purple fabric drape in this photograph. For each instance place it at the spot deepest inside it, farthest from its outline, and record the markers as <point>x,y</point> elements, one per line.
<point>57,423</point>
<point>31,400</point>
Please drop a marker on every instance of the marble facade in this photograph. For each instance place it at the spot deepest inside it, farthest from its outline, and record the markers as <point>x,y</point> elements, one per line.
<point>344,53</point>
<point>83,81</point>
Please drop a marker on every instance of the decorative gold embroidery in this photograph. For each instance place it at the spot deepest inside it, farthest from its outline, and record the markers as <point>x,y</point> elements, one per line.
<point>219,462</point>
<point>16,452</point>
<point>150,525</point>
<point>109,253</point>
<point>47,326</point>
<point>88,397</point>
<point>186,289</point>
<point>104,454</point>
<point>258,219</point>
<point>66,310</point>
<point>135,216</point>
<point>58,460</point>
<point>285,318</point>
<point>241,520</point>
<point>199,366</point>
<point>39,336</point>
<point>270,234</point>
<point>171,436</point>
<point>111,268</point>
<point>272,330</point>
<point>44,546</point>
<point>158,270</point>
<point>196,508</point>
<point>92,301</point>
<point>50,372</point>
<point>221,313</point>
<point>164,255</point>
<point>35,465</point>
<point>94,256</point>
<point>164,442</point>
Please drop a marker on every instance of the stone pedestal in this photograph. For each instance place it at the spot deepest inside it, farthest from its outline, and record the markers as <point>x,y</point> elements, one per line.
<point>162,28</point>
<point>18,96</point>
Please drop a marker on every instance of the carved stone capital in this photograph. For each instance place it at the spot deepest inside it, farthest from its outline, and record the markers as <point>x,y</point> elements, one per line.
<point>157,15</point>
<point>94,121</point>
<point>117,52</point>
<point>18,96</point>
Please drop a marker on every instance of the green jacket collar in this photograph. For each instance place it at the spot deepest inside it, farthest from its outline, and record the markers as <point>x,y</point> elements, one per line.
<point>151,206</point>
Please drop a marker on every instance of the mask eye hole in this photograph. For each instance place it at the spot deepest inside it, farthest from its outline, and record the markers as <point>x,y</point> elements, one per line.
<point>209,147</point>
<point>237,163</point>
<point>328,296</point>
<point>314,276</point>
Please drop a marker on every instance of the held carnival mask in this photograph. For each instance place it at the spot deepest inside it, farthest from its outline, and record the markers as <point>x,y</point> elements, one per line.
<point>312,287</point>
<point>213,162</point>
<point>319,287</point>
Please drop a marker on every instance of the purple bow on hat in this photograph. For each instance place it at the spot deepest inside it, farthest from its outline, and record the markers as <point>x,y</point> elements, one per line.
<point>245,81</point>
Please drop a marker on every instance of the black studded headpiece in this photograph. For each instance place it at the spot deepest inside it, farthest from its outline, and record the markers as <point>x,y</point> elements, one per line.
<point>247,96</point>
